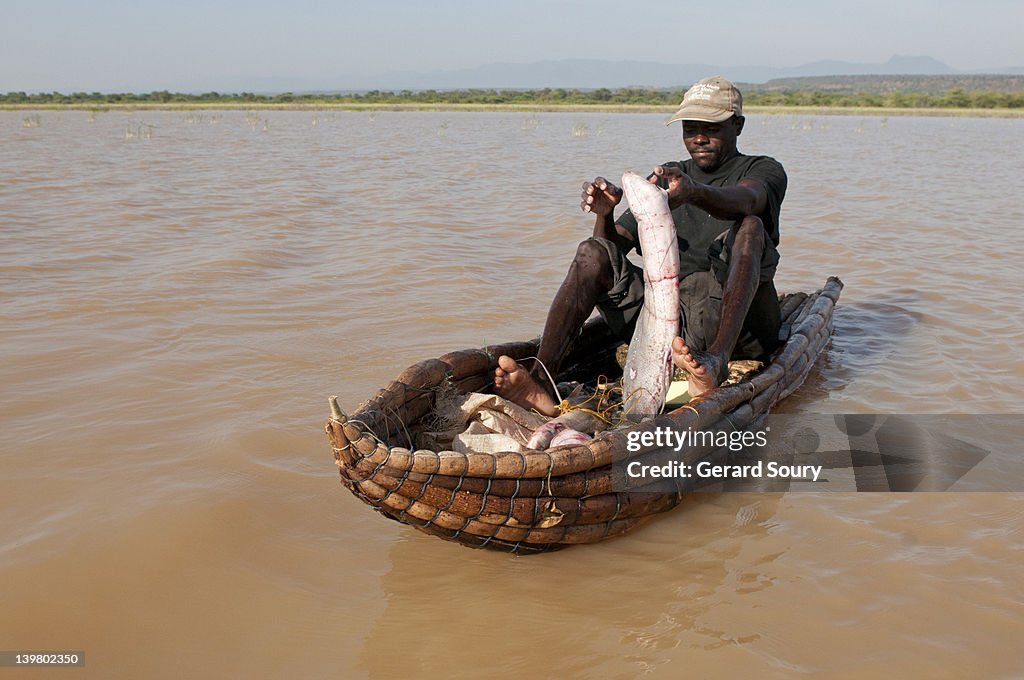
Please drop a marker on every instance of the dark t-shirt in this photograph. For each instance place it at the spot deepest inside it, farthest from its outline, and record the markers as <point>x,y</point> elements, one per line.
<point>697,229</point>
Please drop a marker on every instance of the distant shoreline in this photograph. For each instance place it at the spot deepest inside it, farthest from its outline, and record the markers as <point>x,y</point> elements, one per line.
<point>524,108</point>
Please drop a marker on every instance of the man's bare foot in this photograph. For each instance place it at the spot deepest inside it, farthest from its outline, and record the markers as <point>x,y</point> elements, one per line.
<point>706,371</point>
<point>514,383</point>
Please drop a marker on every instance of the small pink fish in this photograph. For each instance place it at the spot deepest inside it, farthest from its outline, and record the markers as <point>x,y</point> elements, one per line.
<point>568,437</point>
<point>564,427</point>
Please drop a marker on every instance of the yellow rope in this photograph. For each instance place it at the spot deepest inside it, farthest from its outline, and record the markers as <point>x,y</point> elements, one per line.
<point>609,399</point>
<point>629,397</point>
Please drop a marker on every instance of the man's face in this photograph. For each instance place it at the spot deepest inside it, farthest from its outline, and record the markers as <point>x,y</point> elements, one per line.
<point>711,144</point>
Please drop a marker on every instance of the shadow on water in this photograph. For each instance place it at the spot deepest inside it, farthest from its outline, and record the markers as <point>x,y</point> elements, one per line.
<point>866,336</point>
<point>615,609</point>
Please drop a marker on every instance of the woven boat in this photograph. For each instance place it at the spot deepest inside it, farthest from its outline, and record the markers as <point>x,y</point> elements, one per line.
<point>537,501</point>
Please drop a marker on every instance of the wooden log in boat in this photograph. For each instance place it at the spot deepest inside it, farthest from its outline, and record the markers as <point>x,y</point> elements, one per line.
<point>537,501</point>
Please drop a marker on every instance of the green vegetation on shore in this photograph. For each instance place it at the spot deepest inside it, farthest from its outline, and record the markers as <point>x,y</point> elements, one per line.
<point>549,97</point>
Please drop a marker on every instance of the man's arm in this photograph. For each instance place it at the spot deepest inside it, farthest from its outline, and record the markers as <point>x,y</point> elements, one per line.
<point>600,198</point>
<point>746,197</point>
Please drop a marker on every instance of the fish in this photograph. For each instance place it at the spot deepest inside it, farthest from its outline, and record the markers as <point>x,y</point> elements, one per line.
<point>569,428</point>
<point>572,427</point>
<point>648,370</point>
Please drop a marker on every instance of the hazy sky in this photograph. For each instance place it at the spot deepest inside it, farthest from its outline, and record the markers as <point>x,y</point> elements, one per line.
<point>144,45</point>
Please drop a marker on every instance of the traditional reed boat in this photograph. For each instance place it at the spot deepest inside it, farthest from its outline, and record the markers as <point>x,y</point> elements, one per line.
<point>537,501</point>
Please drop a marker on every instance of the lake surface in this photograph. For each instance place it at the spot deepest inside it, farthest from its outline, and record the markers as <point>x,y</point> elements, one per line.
<point>182,291</point>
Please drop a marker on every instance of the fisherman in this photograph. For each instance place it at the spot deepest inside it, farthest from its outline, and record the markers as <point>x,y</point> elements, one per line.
<point>725,206</point>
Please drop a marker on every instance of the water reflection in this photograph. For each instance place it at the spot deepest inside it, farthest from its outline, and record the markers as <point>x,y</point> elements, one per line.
<point>609,610</point>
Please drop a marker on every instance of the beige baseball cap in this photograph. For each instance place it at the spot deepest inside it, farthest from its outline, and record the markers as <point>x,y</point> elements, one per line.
<point>711,100</point>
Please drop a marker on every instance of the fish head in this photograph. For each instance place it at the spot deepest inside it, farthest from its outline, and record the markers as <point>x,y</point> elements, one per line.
<point>639,190</point>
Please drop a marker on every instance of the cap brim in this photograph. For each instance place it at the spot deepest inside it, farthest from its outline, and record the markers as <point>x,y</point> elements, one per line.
<point>702,116</point>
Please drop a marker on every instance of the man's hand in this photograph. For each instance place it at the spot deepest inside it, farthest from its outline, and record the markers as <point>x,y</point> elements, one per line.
<point>600,197</point>
<point>680,187</point>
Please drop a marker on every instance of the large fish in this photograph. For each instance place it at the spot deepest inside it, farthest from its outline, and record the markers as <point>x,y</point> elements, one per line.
<point>648,371</point>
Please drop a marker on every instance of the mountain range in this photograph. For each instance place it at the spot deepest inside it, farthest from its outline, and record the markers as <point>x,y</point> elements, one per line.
<point>593,73</point>
<point>580,74</point>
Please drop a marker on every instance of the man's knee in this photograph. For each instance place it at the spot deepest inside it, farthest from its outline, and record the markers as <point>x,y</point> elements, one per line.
<point>592,250</point>
<point>593,257</point>
<point>748,237</point>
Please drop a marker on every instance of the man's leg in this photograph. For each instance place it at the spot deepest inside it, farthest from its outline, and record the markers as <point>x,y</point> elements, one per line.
<point>590,276</point>
<point>708,369</point>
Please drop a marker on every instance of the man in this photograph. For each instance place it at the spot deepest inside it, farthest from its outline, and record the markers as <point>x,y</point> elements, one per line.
<point>726,210</point>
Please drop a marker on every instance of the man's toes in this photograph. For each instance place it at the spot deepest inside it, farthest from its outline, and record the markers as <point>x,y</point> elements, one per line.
<point>686,360</point>
<point>507,364</point>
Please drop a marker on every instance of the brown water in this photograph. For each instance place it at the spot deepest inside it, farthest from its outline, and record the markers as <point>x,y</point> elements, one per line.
<point>181,292</point>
